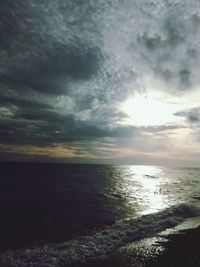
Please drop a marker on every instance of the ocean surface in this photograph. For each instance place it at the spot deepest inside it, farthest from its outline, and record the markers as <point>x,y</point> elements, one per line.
<point>86,211</point>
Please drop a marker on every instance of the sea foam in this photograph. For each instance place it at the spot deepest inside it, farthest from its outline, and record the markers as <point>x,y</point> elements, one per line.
<point>100,244</point>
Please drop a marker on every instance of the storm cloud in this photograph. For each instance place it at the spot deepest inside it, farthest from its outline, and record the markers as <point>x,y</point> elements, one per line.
<point>66,67</point>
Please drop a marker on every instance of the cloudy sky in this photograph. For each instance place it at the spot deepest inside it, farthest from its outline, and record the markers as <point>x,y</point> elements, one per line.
<point>108,81</point>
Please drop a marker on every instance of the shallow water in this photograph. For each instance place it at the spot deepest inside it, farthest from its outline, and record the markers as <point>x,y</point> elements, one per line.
<point>96,249</point>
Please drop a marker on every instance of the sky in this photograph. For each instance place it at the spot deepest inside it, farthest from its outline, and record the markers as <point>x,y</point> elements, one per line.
<point>104,81</point>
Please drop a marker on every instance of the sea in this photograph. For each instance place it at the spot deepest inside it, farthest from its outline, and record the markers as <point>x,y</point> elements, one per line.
<point>67,214</point>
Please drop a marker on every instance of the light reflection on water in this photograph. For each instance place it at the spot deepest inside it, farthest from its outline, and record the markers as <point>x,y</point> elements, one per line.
<point>46,201</point>
<point>149,186</point>
<point>148,189</point>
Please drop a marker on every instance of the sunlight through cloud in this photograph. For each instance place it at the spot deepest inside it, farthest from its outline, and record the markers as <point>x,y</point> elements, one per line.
<point>143,111</point>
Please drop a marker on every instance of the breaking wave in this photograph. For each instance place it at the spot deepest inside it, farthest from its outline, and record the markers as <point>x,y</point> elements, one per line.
<point>100,244</point>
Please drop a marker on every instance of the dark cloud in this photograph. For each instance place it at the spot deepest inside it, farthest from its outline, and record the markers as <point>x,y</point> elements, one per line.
<point>175,30</point>
<point>192,115</point>
<point>172,33</point>
<point>66,66</point>
<point>22,101</point>
<point>169,45</point>
<point>151,43</point>
<point>185,76</point>
<point>42,127</point>
<point>43,45</point>
<point>52,74</point>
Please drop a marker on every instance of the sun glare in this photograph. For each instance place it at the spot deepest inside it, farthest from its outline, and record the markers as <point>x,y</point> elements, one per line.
<point>144,111</point>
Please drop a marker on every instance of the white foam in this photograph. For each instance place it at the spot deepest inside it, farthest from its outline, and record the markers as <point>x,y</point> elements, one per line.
<point>100,244</point>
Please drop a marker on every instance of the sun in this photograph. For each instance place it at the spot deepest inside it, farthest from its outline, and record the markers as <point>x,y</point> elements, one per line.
<point>144,110</point>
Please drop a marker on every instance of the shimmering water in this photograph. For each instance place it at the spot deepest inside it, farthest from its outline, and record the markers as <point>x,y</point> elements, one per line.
<point>56,202</point>
<point>148,189</point>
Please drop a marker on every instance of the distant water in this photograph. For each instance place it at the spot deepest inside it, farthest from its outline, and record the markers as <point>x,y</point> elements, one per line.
<point>48,203</point>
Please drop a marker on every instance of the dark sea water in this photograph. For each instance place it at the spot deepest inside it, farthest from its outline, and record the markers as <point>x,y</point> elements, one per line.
<point>44,203</point>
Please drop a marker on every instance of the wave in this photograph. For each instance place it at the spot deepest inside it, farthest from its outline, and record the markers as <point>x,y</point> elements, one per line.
<point>102,243</point>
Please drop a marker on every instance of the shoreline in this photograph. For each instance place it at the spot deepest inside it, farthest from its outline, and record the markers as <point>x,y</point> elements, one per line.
<point>133,243</point>
<point>177,249</point>
<point>171,250</point>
